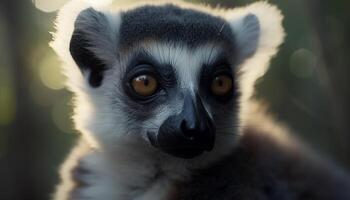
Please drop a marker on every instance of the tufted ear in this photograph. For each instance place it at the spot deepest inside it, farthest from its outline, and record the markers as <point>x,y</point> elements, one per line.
<point>86,40</point>
<point>247,31</point>
<point>258,32</point>
<point>92,45</point>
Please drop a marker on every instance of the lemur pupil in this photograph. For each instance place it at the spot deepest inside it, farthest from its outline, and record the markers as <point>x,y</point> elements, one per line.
<point>146,81</point>
<point>220,82</point>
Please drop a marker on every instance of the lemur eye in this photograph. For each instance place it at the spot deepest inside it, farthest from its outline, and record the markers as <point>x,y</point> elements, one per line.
<point>144,85</point>
<point>221,85</point>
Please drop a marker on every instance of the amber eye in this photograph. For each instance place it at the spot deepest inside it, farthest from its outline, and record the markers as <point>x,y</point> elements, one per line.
<point>221,85</point>
<point>144,85</point>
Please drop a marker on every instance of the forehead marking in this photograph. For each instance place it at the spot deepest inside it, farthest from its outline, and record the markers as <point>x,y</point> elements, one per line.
<point>187,62</point>
<point>170,23</point>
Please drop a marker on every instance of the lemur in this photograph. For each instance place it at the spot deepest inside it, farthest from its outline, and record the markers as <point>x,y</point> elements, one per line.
<point>163,100</point>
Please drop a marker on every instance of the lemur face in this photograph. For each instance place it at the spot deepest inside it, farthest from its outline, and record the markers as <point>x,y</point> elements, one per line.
<point>174,76</point>
<point>179,96</point>
<point>164,74</point>
<point>179,77</point>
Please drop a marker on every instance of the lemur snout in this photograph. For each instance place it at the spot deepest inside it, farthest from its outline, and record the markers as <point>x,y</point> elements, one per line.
<point>189,133</point>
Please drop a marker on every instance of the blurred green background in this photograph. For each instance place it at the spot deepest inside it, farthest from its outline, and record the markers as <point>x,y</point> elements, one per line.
<point>307,87</point>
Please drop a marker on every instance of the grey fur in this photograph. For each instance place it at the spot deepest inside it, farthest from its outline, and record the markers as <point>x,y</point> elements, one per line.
<point>252,31</point>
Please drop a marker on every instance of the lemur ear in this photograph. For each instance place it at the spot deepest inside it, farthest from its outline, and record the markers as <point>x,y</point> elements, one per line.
<point>86,40</point>
<point>247,31</point>
<point>257,28</point>
<point>258,32</point>
<point>89,41</point>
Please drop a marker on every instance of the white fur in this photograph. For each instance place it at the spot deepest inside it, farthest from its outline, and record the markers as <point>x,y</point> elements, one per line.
<point>122,158</point>
<point>76,82</point>
<point>270,38</point>
<point>186,62</point>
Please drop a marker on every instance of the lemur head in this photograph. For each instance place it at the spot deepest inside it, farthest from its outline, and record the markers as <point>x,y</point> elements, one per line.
<point>171,76</point>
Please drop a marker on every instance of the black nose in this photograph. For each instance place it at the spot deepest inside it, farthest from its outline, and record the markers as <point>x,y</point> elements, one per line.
<point>189,129</point>
<point>189,133</point>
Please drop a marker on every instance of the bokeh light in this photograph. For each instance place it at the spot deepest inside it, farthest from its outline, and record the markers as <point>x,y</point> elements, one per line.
<point>7,105</point>
<point>49,6</point>
<point>53,5</point>
<point>40,94</point>
<point>50,73</point>
<point>302,63</point>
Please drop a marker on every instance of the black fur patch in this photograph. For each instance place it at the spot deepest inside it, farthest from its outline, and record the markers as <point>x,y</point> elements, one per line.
<point>170,23</point>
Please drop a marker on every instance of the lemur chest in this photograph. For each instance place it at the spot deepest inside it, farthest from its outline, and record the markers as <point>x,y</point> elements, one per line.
<point>223,181</point>
<point>96,178</point>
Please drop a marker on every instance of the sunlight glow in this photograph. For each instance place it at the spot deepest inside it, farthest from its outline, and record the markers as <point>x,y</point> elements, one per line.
<point>60,115</point>
<point>100,2</point>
